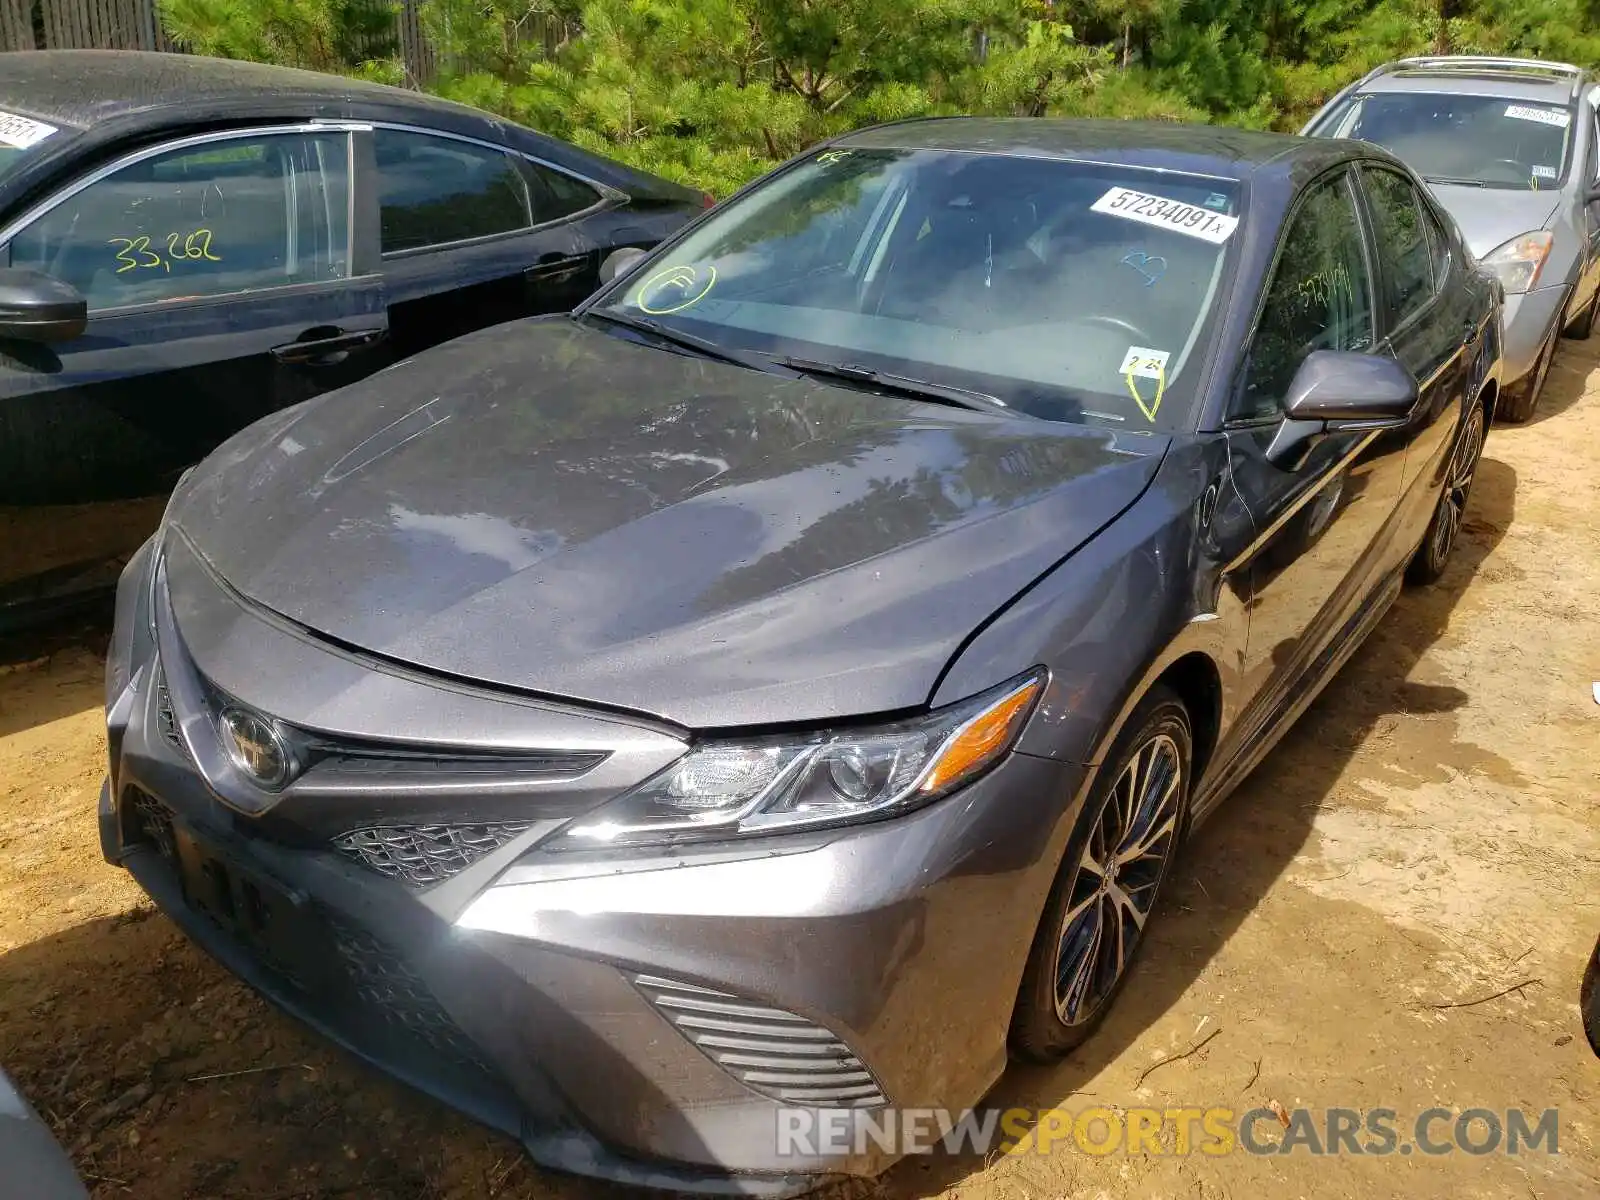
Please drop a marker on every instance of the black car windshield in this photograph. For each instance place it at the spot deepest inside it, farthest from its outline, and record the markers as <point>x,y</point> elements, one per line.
<point>1489,141</point>
<point>1068,290</point>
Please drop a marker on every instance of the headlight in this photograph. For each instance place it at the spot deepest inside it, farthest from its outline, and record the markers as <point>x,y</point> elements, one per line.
<point>731,788</point>
<point>1517,263</point>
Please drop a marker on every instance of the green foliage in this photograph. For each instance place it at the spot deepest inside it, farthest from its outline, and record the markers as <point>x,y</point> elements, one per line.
<point>713,92</point>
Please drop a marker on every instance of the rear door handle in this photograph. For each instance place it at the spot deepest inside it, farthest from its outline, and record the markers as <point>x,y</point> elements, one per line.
<point>316,350</point>
<point>557,270</point>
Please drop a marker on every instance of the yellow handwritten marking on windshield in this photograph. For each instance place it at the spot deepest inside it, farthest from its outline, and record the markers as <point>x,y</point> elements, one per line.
<point>828,158</point>
<point>688,282</point>
<point>136,252</point>
<point>1160,368</point>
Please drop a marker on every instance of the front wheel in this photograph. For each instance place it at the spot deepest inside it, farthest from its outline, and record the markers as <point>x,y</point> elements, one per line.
<point>1117,860</point>
<point>1449,514</point>
<point>1518,403</point>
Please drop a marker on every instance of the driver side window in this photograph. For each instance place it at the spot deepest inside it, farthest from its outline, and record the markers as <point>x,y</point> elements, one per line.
<point>1320,298</point>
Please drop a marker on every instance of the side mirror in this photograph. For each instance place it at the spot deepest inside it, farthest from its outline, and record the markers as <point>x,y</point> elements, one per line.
<point>1338,390</point>
<point>619,261</point>
<point>36,307</point>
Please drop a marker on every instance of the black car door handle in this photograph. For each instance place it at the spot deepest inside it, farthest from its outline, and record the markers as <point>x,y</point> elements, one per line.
<point>557,270</point>
<point>316,350</point>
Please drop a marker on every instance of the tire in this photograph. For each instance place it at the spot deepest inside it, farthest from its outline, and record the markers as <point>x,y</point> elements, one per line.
<point>1581,326</point>
<point>1517,404</point>
<point>1433,555</point>
<point>1086,904</point>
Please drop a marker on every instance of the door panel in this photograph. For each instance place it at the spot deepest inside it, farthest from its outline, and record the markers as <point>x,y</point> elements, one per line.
<point>1432,316</point>
<point>1316,545</point>
<point>441,294</point>
<point>93,432</point>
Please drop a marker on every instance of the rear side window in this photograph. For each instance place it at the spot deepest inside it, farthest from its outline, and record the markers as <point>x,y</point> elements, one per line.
<point>557,194</point>
<point>1320,298</point>
<point>1400,227</point>
<point>433,191</point>
<point>209,220</point>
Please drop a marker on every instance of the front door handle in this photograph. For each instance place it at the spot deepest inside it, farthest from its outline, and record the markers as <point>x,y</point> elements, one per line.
<point>330,346</point>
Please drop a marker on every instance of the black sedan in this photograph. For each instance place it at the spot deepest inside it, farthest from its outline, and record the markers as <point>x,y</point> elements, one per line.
<point>241,237</point>
<point>785,682</point>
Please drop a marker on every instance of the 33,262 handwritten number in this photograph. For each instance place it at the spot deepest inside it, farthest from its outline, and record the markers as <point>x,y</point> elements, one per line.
<point>135,253</point>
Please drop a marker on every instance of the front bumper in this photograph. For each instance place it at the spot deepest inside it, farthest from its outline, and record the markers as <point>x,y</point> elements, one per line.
<point>569,1004</point>
<point>1527,322</point>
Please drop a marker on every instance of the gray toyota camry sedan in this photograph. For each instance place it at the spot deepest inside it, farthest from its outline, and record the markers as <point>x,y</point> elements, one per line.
<point>781,686</point>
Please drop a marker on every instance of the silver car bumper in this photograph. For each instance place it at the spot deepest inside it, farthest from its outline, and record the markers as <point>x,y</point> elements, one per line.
<point>645,1019</point>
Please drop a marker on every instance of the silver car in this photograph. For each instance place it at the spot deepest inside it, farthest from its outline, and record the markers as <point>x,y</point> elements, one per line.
<point>1508,146</point>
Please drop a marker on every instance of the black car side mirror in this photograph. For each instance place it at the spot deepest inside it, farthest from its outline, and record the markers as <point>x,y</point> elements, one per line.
<point>1338,390</point>
<point>35,307</point>
<point>619,261</point>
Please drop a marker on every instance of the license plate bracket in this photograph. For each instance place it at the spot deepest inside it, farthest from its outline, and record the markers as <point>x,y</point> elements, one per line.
<point>276,924</point>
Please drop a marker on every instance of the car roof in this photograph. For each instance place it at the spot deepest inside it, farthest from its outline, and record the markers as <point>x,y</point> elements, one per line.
<point>1213,150</point>
<point>82,88</point>
<point>1514,79</point>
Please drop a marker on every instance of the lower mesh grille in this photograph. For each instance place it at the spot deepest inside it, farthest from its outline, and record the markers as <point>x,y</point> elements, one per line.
<point>776,1053</point>
<point>382,979</point>
<point>425,854</point>
<point>151,822</point>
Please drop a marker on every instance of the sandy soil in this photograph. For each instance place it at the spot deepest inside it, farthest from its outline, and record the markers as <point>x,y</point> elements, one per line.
<point>1428,835</point>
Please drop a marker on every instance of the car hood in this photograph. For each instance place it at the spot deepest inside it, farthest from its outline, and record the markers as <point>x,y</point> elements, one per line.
<point>549,508</point>
<point>1490,217</point>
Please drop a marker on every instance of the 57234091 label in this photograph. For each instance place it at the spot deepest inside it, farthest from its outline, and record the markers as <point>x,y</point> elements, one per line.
<point>1188,219</point>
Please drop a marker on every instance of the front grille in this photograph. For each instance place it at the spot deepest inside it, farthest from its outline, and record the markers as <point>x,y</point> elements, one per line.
<point>150,821</point>
<point>381,978</point>
<point>425,854</point>
<point>776,1053</point>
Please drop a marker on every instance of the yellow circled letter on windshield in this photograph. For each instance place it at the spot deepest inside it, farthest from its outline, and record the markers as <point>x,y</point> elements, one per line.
<point>683,277</point>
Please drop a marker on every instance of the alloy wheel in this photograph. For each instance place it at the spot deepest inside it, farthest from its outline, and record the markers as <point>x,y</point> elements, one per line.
<point>1117,876</point>
<point>1453,503</point>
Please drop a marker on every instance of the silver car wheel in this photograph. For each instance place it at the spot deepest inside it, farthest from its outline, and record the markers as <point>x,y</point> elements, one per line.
<point>1118,873</point>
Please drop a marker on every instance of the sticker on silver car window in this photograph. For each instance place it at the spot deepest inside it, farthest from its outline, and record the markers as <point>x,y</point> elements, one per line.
<point>1543,172</point>
<point>1163,213</point>
<point>1545,116</point>
<point>23,132</point>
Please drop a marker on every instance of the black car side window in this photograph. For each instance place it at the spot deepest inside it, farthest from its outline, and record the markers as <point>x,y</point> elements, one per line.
<point>1320,298</point>
<point>557,194</point>
<point>211,219</point>
<point>433,191</point>
<point>1399,221</point>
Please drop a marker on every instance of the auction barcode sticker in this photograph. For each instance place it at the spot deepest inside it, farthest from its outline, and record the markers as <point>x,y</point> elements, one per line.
<point>1175,215</point>
<point>22,132</point>
<point>1545,116</point>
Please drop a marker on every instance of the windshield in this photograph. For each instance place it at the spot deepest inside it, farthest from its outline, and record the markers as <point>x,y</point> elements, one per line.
<point>1489,141</point>
<point>1067,290</point>
<point>18,136</point>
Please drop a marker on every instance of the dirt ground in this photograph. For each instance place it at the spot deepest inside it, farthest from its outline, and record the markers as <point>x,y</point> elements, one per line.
<point>1426,837</point>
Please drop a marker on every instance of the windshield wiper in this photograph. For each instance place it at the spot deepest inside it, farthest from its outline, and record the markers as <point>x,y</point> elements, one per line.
<point>1452,181</point>
<point>700,345</point>
<point>904,385</point>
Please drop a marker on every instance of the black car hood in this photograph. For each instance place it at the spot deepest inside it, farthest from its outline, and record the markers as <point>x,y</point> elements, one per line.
<point>546,507</point>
